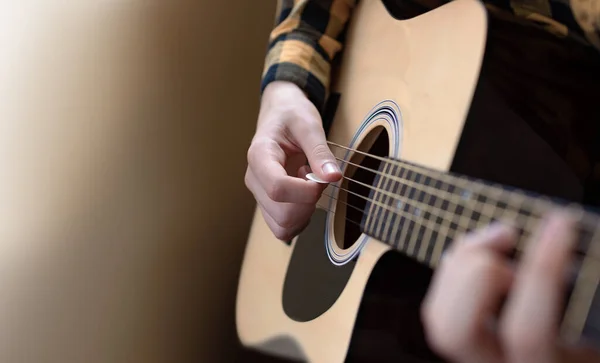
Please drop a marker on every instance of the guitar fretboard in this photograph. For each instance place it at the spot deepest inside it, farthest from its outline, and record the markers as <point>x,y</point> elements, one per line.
<point>420,212</point>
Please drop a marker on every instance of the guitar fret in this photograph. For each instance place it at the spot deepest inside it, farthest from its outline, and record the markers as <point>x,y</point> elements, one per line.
<point>394,185</point>
<point>396,226</point>
<point>380,203</point>
<point>435,235</point>
<point>384,211</point>
<point>405,221</point>
<point>419,240</point>
<point>396,220</point>
<point>422,252</point>
<point>448,226</point>
<point>371,217</point>
<point>403,189</point>
<point>404,232</point>
<point>426,215</point>
<point>456,222</point>
<point>581,299</point>
<point>488,210</point>
<point>470,220</point>
<point>409,232</point>
<point>478,213</point>
<point>463,220</point>
<point>466,195</point>
<point>446,197</point>
<point>399,227</point>
<point>426,186</point>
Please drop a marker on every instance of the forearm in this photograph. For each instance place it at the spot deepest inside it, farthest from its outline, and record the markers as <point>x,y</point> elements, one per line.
<point>306,38</point>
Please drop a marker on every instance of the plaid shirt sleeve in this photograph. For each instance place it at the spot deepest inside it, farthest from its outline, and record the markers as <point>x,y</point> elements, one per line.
<point>306,37</point>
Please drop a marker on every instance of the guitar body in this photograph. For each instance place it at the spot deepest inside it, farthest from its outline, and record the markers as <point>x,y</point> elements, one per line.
<point>404,89</point>
<point>382,61</point>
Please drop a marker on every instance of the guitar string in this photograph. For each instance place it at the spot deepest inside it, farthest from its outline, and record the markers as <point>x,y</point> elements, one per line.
<point>463,224</point>
<point>432,225</point>
<point>333,212</point>
<point>464,220</point>
<point>435,242</point>
<point>412,167</point>
<point>406,216</point>
<point>520,223</point>
<point>396,244</point>
<point>543,202</point>
<point>470,202</point>
<point>586,222</point>
<point>399,213</point>
<point>359,224</point>
<point>453,237</point>
<point>424,207</point>
<point>423,188</point>
<point>425,172</point>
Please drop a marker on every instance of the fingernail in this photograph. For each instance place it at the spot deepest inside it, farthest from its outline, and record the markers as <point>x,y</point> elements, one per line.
<point>331,168</point>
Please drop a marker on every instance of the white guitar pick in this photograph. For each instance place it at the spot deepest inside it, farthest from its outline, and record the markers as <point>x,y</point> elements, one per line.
<point>313,177</point>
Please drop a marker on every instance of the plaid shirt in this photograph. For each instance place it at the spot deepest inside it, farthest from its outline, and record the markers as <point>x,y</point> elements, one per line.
<point>308,34</point>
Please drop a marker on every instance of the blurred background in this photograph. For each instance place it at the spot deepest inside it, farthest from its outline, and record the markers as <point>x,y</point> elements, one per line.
<point>124,127</point>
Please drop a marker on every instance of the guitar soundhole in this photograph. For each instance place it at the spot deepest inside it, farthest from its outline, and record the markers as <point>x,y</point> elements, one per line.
<point>351,205</point>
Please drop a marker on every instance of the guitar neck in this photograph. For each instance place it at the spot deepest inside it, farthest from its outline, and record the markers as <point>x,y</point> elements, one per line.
<point>420,211</point>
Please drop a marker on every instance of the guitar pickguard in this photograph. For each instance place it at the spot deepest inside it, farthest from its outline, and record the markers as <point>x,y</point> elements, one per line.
<point>313,283</point>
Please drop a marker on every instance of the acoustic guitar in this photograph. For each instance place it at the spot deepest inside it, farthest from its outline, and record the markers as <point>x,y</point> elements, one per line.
<point>442,123</point>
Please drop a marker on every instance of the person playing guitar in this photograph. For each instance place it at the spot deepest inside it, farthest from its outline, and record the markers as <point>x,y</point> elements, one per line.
<point>475,277</point>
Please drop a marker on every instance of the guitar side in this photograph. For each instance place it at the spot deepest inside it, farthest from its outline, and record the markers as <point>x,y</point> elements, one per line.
<point>428,66</point>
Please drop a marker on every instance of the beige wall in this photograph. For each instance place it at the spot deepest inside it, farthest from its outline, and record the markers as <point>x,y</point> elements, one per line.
<point>123,132</point>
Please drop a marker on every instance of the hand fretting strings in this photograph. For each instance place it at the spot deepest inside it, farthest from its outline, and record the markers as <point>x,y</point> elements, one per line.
<point>588,275</point>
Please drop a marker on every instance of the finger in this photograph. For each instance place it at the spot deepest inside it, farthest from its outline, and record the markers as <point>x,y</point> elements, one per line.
<point>493,239</point>
<point>303,171</point>
<point>266,160</point>
<point>287,216</point>
<point>283,234</point>
<point>496,237</point>
<point>294,162</point>
<point>530,325</point>
<point>311,139</point>
<point>464,298</point>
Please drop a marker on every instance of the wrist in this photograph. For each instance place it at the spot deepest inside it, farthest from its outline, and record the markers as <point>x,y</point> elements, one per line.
<point>286,87</point>
<point>283,91</point>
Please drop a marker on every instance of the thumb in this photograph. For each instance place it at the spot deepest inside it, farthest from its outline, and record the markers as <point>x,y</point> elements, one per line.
<point>320,158</point>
